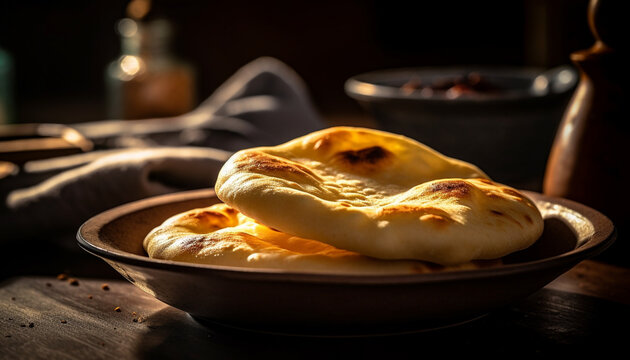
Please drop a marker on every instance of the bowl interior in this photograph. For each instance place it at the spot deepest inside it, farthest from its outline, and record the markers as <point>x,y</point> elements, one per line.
<point>503,83</point>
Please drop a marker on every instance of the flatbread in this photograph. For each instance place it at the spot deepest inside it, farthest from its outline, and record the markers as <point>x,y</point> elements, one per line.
<point>221,235</point>
<point>381,195</point>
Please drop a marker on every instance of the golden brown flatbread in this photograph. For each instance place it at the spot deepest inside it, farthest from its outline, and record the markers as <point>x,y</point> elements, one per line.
<point>221,235</point>
<point>381,195</point>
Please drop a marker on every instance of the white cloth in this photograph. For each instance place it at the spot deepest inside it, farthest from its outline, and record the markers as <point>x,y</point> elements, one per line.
<point>264,103</point>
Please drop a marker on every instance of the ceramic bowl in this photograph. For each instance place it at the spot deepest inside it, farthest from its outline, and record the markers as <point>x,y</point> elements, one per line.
<point>506,126</point>
<point>275,301</point>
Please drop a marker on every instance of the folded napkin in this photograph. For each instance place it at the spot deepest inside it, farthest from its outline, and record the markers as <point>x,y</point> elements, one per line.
<point>263,103</point>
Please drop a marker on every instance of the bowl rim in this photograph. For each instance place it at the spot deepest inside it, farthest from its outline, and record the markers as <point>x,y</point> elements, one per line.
<point>364,86</point>
<point>604,235</point>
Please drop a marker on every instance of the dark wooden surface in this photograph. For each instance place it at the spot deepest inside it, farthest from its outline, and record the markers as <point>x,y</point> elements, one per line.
<point>585,310</point>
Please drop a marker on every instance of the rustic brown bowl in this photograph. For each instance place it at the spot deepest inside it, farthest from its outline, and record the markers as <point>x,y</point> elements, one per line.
<point>277,301</point>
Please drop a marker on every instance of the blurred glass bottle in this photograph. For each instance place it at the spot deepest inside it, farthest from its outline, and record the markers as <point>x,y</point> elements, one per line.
<point>6,84</point>
<point>147,80</point>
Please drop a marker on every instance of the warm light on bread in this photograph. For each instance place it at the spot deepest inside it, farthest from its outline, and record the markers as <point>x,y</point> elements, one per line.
<point>381,195</point>
<point>221,235</point>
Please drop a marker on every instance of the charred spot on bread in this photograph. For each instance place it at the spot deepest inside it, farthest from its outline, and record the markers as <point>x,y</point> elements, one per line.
<point>369,155</point>
<point>266,163</point>
<point>368,159</point>
<point>451,188</point>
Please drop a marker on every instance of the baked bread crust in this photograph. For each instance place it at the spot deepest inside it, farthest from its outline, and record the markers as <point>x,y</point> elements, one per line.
<point>221,235</point>
<point>381,195</point>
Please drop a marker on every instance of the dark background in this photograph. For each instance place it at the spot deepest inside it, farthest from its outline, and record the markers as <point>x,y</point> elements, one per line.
<point>60,48</point>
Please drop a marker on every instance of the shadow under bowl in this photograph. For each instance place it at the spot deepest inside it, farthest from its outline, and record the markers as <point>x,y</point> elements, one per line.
<point>308,304</point>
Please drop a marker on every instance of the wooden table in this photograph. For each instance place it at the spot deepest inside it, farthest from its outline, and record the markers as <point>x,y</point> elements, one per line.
<point>585,310</point>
